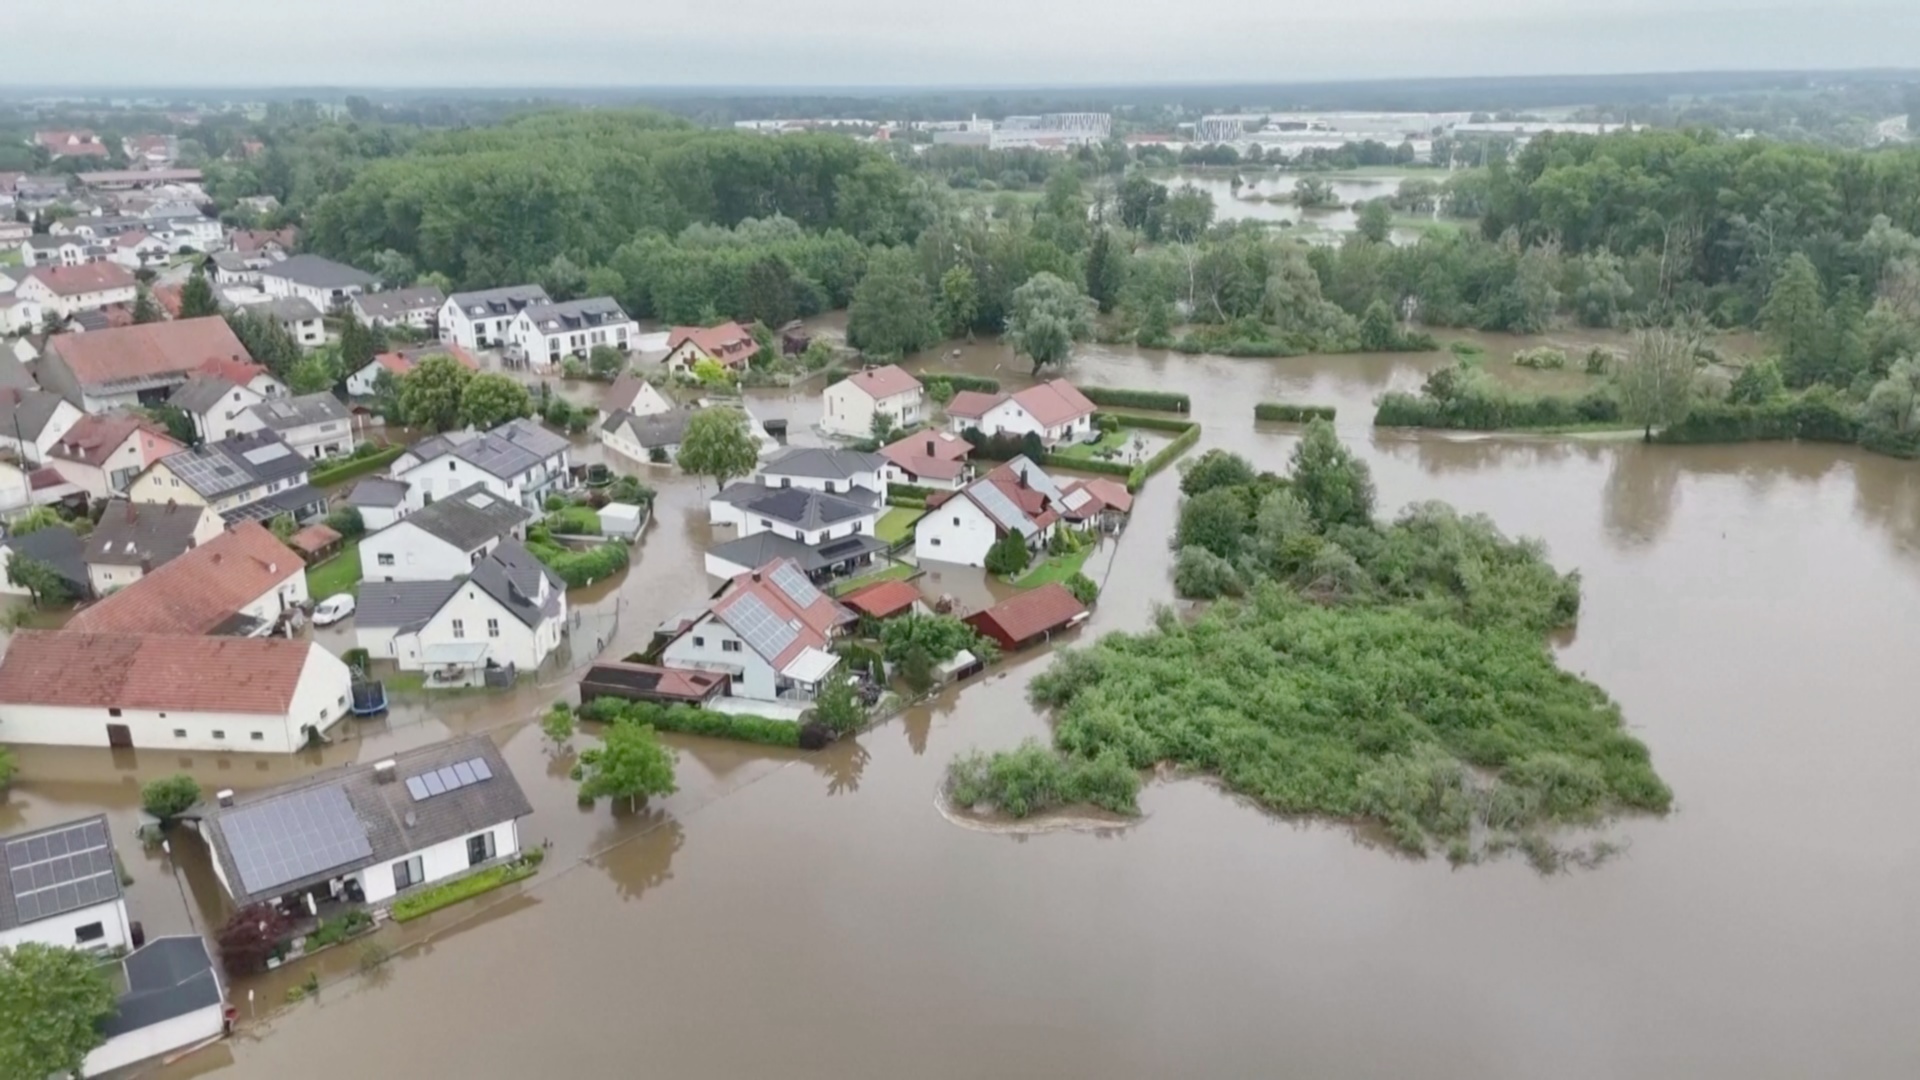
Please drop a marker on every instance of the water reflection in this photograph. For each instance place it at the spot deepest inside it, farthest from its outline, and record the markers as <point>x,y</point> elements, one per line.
<point>641,857</point>
<point>842,763</point>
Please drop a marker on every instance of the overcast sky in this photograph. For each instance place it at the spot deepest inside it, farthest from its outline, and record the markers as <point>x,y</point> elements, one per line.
<point>941,42</point>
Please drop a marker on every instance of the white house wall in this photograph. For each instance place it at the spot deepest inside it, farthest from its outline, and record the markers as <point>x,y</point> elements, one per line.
<point>704,647</point>
<point>417,555</point>
<point>957,532</point>
<point>846,410</point>
<point>60,930</point>
<point>155,1039</point>
<point>439,861</point>
<point>231,415</point>
<point>526,647</point>
<point>869,480</point>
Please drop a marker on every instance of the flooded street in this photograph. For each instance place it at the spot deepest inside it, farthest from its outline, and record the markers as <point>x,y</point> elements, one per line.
<point>815,915</point>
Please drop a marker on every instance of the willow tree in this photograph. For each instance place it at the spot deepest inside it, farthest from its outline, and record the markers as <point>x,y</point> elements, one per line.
<point>1656,380</point>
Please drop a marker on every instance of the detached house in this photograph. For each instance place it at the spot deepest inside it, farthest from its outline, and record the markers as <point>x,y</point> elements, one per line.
<point>962,526</point>
<point>730,345</point>
<point>135,365</point>
<point>315,425</point>
<point>851,404</point>
<point>479,320</point>
<point>519,461</point>
<point>134,539</point>
<point>253,476</point>
<point>415,307</point>
<point>770,632</point>
<point>60,886</point>
<point>1055,411</point>
<point>442,540</point>
<point>137,250</point>
<point>830,470</point>
<point>930,459</point>
<point>217,407</point>
<point>102,453</point>
<point>545,333</point>
<point>509,610</point>
<point>822,534</point>
<point>69,290</point>
<point>400,361</point>
<point>327,284</point>
<point>79,143</point>
<point>297,315</point>
<point>69,250</point>
<point>381,502</point>
<point>237,584</point>
<point>32,422</point>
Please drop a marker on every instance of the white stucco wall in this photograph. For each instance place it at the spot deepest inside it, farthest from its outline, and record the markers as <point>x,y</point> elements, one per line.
<point>439,861</point>
<point>59,930</point>
<point>543,350</point>
<point>508,640</point>
<point>447,474</point>
<point>868,480</point>
<point>704,647</point>
<point>230,415</point>
<point>416,555</point>
<point>154,1040</point>
<point>958,532</point>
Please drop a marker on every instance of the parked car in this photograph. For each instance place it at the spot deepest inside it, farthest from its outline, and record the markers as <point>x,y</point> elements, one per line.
<point>333,609</point>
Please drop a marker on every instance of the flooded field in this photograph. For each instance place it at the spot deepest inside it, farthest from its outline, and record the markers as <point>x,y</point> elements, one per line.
<point>1266,197</point>
<point>816,915</point>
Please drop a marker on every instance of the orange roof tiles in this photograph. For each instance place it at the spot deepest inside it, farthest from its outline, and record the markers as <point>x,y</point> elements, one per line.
<point>195,593</point>
<point>147,350</point>
<point>882,599</point>
<point>77,669</point>
<point>1028,615</point>
<point>730,344</point>
<point>884,382</point>
<point>1054,403</point>
<point>86,278</point>
<point>972,404</point>
<point>93,438</point>
<point>940,455</point>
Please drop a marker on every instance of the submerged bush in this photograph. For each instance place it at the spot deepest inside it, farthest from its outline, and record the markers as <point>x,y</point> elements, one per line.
<point>1033,779</point>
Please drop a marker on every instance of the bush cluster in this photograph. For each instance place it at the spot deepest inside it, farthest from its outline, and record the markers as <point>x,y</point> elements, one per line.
<point>962,381</point>
<point>359,463</point>
<point>1465,397</point>
<point>1033,779</point>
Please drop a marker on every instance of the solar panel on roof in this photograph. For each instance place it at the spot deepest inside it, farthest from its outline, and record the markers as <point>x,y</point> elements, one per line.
<point>795,584</point>
<point>481,770</point>
<point>294,836</point>
<point>449,779</point>
<point>61,871</point>
<point>260,455</point>
<point>464,770</point>
<point>1001,508</point>
<point>434,785</point>
<point>416,789</point>
<point>764,632</point>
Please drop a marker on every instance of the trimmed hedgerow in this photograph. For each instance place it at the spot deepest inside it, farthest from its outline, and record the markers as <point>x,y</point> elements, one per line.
<point>1294,414</point>
<point>1124,398</point>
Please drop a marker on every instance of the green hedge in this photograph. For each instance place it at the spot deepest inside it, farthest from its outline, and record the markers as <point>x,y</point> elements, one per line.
<point>1294,414</point>
<point>962,381</point>
<point>1502,412</point>
<point>578,568</point>
<point>1154,423</point>
<point>430,900</point>
<point>574,521</point>
<point>910,504</point>
<point>354,466</point>
<point>908,491</point>
<point>1123,398</point>
<point>688,720</point>
<point>1084,464</point>
<point>1818,415</point>
<point>1164,458</point>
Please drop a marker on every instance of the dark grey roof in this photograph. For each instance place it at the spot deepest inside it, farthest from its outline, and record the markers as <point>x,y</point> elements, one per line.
<point>378,491</point>
<point>289,308</point>
<point>403,605</point>
<point>823,464</point>
<point>236,463</point>
<point>396,825</point>
<point>14,374</point>
<point>576,314</point>
<point>511,449</point>
<point>303,501</point>
<point>285,414</point>
<point>59,547</point>
<point>800,507</point>
<point>434,446</point>
<point>468,518</point>
<point>511,575</point>
<point>763,548</point>
<point>498,302</point>
<point>318,273</point>
<point>82,836</point>
<point>658,429</point>
<point>398,302</point>
<point>167,978</point>
<point>130,534</point>
<point>203,391</point>
<point>27,412</point>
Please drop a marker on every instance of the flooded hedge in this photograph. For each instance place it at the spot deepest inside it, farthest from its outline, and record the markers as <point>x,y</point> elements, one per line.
<point>688,720</point>
<point>1296,414</point>
<point>1124,398</point>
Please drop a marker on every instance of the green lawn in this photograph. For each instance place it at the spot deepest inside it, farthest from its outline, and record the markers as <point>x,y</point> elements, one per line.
<point>337,575</point>
<point>897,524</point>
<point>895,572</point>
<point>10,257</point>
<point>1112,440</point>
<point>1055,568</point>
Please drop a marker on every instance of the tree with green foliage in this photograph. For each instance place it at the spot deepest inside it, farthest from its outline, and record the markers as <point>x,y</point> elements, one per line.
<point>178,423</point>
<point>196,296</point>
<point>1215,520</point>
<point>347,520</point>
<point>630,763</point>
<point>43,583</point>
<point>386,397</point>
<point>1314,193</point>
<point>1797,323</point>
<point>605,362</point>
<point>52,1002</point>
<point>959,301</point>
<point>1084,589</point>
<point>265,340</point>
<point>1049,315</point>
<point>1378,330</point>
<point>892,312</point>
<point>1184,217</point>
<point>1336,487</point>
<point>769,293</point>
<point>718,444</point>
<point>557,725</point>
<point>145,310</point>
<point>1375,224</point>
<point>837,706</point>
<point>283,527</point>
<point>1140,199</point>
<point>170,796</point>
<point>1156,325</point>
<point>359,343</point>
<point>432,392</point>
<point>1893,406</point>
<point>1106,270</point>
<point>1758,383</point>
<point>1201,575</point>
<point>33,520</point>
<point>940,637</point>
<point>563,279</point>
<point>1656,380</point>
<point>1214,469</point>
<point>1009,556</point>
<point>491,399</point>
<point>315,373</point>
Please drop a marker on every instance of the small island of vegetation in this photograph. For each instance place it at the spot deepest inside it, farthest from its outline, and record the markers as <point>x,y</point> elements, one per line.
<point>1394,675</point>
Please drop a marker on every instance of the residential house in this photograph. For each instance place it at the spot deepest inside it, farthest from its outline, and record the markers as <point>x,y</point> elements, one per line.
<point>12,232</point>
<point>542,334</point>
<point>315,425</point>
<point>851,404</point>
<point>400,361</point>
<point>833,471</point>
<point>510,610</point>
<point>173,1001</point>
<point>59,547</point>
<point>770,631</point>
<point>69,290</point>
<point>100,229</point>
<point>479,320</point>
<point>268,242</point>
<point>32,421</point>
<point>442,540</point>
<point>237,584</point>
<point>729,344</point>
<point>217,407</point>
<point>79,143</point>
<point>38,191</point>
<point>415,307</point>
<point>150,151</point>
<point>381,502</point>
<point>233,268</point>
<point>1055,411</point>
<point>61,251</point>
<point>633,394</point>
<point>244,373</point>
<point>519,461</point>
<point>886,600</point>
<point>650,437</point>
<point>106,318</point>
<point>19,316</point>
<point>1030,617</point>
<point>368,832</point>
<point>102,453</point>
<point>137,250</point>
<point>172,180</point>
<point>327,284</point>
<point>15,355</point>
<point>649,682</point>
<point>297,315</point>
<point>962,526</point>
<point>823,534</point>
<point>250,476</point>
<point>168,691</point>
<point>929,459</point>
<point>186,229</point>
<point>60,886</point>
<point>134,365</point>
<point>133,539</point>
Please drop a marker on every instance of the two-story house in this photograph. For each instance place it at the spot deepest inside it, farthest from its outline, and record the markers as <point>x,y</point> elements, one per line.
<point>135,366</point>
<point>63,888</point>
<point>217,407</point>
<point>544,334</point>
<point>416,307</point>
<point>850,405</point>
<point>303,321</point>
<point>327,284</point>
<point>442,540</point>
<point>479,320</point>
<point>930,459</point>
<point>831,470</point>
<point>252,476</point>
<point>315,425</point>
<point>962,526</point>
<point>398,362</point>
<point>1055,411</point>
<point>69,290</point>
<point>825,535</point>
<point>54,250</point>
<point>133,539</point>
<point>508,609</point>
<point>32,422</point>
<point>519,461</point>
<point>729,344</point>
<point>102,453</point>
<point>770,632</point>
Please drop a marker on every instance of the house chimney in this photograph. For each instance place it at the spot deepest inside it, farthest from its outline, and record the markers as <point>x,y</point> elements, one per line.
<point>383,771</point>
<point>929,447</point>
<point>224,796</point>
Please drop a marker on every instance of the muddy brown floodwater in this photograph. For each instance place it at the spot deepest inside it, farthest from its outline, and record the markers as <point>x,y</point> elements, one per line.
<point>1751,607</point>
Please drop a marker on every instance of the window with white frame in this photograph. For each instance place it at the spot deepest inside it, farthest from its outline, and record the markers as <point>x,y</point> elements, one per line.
<point>459,628</point>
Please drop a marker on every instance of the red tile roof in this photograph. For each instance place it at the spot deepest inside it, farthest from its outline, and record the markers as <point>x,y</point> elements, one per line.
<point>249,241</point>
<point>1031,502</point>
<point>884,382</point>
<point>729,343</point>
<point>237,372</point>
<point>401,361</point>
<point>1054,403</point>
<point>152,671</point>
<point>93,438</point>
<point>1110,492</point>
<point>1028,615</point>
<point>972,404</point>
<point>131,238</point>
<point>86,278</point>
<point>313,538</point>
<point>147,350</point>
<point>198,591</point>
<point>814,622</point>
<point>882,599</point>
<point>168,297</point>
<point>938,455</point>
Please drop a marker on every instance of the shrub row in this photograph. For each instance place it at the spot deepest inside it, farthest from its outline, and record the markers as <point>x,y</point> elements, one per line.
<point>1296,414</point>
<point>1121,397</point>
<point>962,381</point>
<point>1817,416</point>
<point>358,465</point>
<point>1475,412</point>
<point>688,720</point>
<point>1084,464</point>
<point>1155,423</point>
<point>430,900</point>
<point>580,568</point>
<point>909,504</point>
<point>908,491</point>
<point>574,521</point>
